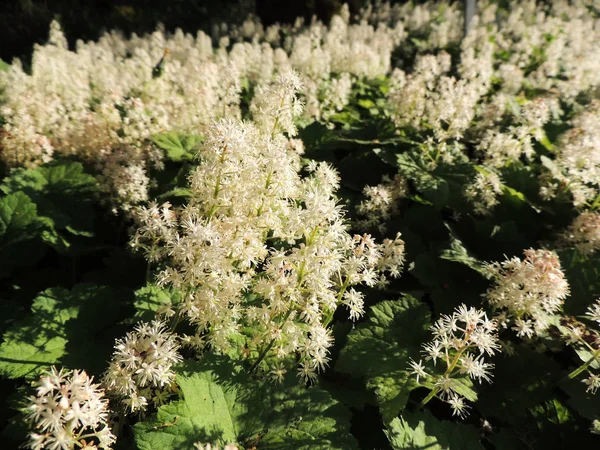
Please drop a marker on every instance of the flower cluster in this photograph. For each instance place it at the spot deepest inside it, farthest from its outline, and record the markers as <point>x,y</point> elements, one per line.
<point>140,371</point>
<point>104,101</point>
<point>593,312</point>
<point>153,223</point>
<point>259,250</point>
<point>481,95</point>
<point>483,192</point>
<point>595,426</point>
<point>500,148</point>
<point>586,342</point>
<point>584,233</point>
<point>461,343</point>
<point>577,164</point>
<point>68,412</point>
<point>261,254</point>
<point>428,97</point>
<point>532,47</point>
<point>381,201</point>
<point>528,292</point>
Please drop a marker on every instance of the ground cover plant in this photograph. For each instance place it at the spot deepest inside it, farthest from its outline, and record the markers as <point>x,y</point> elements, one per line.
<point>376,233</point>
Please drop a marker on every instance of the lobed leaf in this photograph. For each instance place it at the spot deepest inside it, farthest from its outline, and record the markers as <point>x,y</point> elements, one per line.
<point>221,405</point>
<point>178,146</point>
<point>379,351</point>
<point>149,299</point>
<point>423,431</point>
<point>18,219</point>
<point>63,329</point>
<point>63,193</point>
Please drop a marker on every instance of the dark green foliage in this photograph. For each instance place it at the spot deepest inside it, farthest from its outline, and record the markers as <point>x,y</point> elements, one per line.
<point>64,328</point>
<point>423,431</point>
<point>220,404</point>
<point>69,286</point>
<point>378,351</point>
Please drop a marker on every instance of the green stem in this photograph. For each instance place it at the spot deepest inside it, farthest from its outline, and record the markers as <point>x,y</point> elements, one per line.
<point>262,355</point>
<point>338,302</point>
<point>277,118</point>
<point>431,394</point>
<point>301,274</point>
<point>585,365</point>
<point>312,235</point>
<point>447,373</point>
<point>262,202</point>
<point>218,182</point>
<point>177,317</point>
<point>266,350</point>
<point>595,203</point>
<point>148,266</point>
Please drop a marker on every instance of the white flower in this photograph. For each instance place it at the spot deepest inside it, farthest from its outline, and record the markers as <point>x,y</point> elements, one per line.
<point>577,167</point>
<point>307,373</point>
<point>593,311</point>
<point>593,383</point>
<point>458,405</point>
<point>66,409</point>
<point>529,290</point>
<point>255,228</point>
<point>461,343</point>
<point>483,192</point>
<point>418,369</point>
<point>141,367</point>
<point>475,367</point>
<point>275,105</point>
<point>382,201</point>
<point>355,303</point>
<point>433,351</point>
<point>584,232</point>
<point>278,374</point>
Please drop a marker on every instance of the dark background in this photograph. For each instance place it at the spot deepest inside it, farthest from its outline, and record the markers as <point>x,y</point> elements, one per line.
<point>25,22</point>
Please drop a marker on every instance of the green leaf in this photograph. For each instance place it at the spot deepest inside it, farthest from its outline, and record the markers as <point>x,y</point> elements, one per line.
<point>449,284</point>
<point>366,103</point>
<point>302,418</point>
<point>222,405</point>
<point>150,299</point>
<point>4,66</point>
<point>206,413</point>
<point>442,185</point>
<point>585,403</point>
<point>21,233</point>
<point>583,273</point>
<point>517,198</point>
<point>63,193</point>
<point>63,328</point>
<point>552,411</point>
<point>505,439</point>
<point>347,390</point>
<point>513,194</point>
<point>546,143</point>
<point>379,349</point>
<point>424,431</point>
<point>177,192</point>
<point>458,253</point>
<point>316,135</point>
<point>521,382</point>
<point>18,219</point>
<point>178,146</point>
<point>521,187</point>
